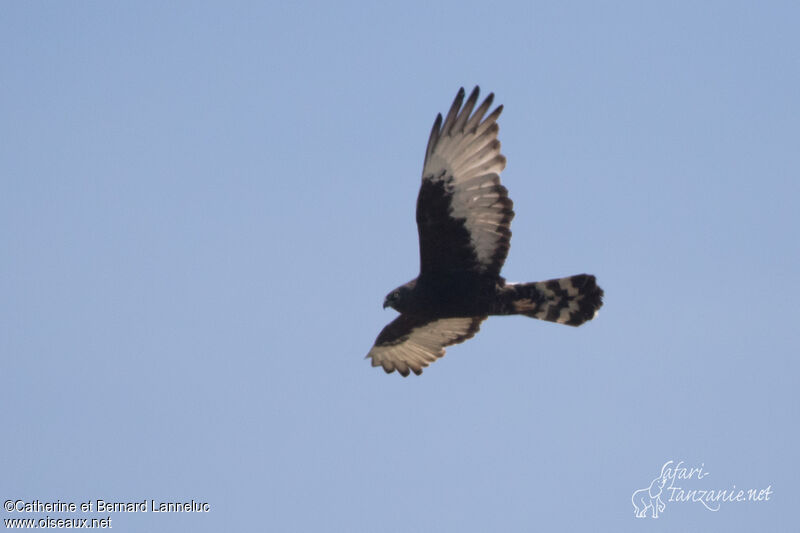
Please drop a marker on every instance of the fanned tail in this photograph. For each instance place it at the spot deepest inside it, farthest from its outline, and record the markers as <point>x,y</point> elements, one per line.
<point>572,300</point>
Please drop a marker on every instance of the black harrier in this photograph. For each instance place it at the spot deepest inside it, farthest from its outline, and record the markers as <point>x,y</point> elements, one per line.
<point>463,216</point>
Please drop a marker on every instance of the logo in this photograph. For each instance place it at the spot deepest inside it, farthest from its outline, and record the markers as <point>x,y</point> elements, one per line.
<point>679,483</point>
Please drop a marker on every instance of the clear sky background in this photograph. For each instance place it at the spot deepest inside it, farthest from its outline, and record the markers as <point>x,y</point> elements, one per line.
<point>203,205</point>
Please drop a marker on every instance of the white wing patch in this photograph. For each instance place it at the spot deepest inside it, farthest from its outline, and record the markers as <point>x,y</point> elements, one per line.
<point>418,345</point>
<point>465,154</point>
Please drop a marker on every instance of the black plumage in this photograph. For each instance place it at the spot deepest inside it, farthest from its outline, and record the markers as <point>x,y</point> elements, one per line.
<point>464,218</point>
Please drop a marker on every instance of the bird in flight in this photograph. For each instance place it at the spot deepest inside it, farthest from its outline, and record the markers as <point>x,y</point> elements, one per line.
<point>464,218</point>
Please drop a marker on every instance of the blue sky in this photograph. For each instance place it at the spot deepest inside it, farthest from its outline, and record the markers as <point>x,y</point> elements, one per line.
<point>202,206</point>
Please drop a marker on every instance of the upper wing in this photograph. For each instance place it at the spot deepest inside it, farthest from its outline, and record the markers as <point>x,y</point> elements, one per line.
<point>463,212</point>
<point>410,342</point>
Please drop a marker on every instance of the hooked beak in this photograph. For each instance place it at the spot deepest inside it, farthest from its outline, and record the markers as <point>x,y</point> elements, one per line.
<point>385,304</point>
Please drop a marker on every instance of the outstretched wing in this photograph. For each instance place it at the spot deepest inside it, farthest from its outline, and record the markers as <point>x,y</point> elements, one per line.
<point>463,212</point>
<point>410,342</point>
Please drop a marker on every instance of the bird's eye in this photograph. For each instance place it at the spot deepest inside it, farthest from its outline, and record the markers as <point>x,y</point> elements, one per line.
<point>395,295</point>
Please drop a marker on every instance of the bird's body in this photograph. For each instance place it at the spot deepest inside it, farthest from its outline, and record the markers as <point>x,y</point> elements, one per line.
<point>464,217</point>
<point>442,296</point>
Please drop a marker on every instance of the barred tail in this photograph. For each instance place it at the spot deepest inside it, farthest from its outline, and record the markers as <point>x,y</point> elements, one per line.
<point>572,300</point>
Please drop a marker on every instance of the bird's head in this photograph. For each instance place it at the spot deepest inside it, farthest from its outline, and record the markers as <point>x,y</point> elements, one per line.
<point>399,297</point>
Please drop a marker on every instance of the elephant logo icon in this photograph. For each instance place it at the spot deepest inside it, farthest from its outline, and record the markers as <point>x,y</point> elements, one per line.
<point>650,497</point>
